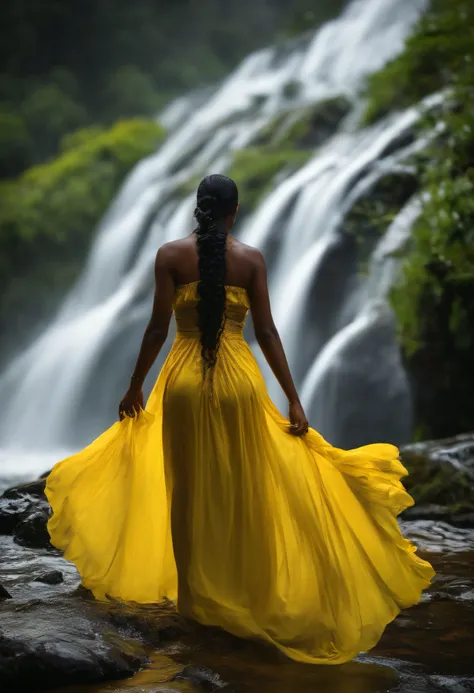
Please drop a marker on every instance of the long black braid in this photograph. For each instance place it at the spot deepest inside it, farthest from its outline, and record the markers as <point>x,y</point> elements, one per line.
<point>217,198</point>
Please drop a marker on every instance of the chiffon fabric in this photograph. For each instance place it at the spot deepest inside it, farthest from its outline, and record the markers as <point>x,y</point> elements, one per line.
<point>284,539</point>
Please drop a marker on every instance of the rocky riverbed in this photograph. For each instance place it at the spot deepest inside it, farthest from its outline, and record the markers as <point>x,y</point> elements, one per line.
<point>53,635</point>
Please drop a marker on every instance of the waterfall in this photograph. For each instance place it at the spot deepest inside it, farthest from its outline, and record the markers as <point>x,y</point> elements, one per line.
<point>64,388</point>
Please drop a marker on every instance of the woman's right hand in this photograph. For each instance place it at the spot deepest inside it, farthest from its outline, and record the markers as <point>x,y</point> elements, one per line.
<point>132,403</point>
<point>298,420</point>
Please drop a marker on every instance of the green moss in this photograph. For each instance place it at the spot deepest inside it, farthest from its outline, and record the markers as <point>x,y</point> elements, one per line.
<point>15,142</point>
<point>48,215</point>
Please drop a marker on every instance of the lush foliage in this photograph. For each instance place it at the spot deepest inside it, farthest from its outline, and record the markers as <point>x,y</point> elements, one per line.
<point>67,65</point>
<point>439,54</point>
<point>434,301</point>
<point>48,215</point>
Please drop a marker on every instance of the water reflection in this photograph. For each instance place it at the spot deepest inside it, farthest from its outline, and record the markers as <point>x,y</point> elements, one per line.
<point>427,649</point>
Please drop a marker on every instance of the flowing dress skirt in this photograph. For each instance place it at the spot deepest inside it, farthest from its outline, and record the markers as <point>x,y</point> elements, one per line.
<point>264,534</point>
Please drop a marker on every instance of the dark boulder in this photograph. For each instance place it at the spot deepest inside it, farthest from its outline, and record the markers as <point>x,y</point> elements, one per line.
<point>31,488</point>
<point>203,678</point>
<point>15,510</point>
<point>60,643</point>
<point>54,577</point>
<point>24,513</point>
<point>4,594</point>
<point>32,530</point>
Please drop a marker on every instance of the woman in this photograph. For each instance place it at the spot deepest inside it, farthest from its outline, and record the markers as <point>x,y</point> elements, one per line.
<point>254,523</point>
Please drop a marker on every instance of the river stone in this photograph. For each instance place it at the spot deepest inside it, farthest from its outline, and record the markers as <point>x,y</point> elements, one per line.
<point>203,678</point>
<point>15,510</point>
<point>24,513</point>
<point>155,624</point>
<point>54,577</point>
<point>61,642</point>
<point>32,530</point>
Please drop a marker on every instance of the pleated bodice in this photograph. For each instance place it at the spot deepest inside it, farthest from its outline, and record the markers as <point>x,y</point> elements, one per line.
<point>186,315</point>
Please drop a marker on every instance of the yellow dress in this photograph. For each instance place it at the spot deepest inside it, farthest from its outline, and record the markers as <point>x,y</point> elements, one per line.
<point>284,539</point>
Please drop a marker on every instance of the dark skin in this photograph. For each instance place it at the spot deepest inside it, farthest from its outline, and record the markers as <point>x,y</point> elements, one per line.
<point>177,263</point>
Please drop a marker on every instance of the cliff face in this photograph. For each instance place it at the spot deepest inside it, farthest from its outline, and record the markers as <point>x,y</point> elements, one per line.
<point>434,299</point>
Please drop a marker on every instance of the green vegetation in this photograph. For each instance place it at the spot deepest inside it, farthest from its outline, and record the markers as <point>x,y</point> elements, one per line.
<point>49,214</point>
<point>439,54</point>
<point>67,65</point>
<point>434,301</point>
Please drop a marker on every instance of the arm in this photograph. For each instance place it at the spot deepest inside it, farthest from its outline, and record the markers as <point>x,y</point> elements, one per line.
<point>154,336</point>
<point>269,341</point>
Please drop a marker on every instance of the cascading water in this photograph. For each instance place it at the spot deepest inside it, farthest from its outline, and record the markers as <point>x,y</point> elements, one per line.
<point>64,388</point>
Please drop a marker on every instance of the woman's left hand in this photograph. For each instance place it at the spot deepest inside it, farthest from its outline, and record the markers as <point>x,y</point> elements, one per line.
<point>132,403</point>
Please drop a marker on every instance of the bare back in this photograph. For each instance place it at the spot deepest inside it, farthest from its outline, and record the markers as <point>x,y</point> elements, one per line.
<point>241,262</point>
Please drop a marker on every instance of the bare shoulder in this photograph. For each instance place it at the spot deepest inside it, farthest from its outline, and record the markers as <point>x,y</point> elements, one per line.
<point>172,247</point>
<point>172,250</point>
<point>252,254</point>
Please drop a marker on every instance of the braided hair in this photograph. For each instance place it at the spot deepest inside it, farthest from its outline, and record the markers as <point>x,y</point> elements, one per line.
<point>217,198</point>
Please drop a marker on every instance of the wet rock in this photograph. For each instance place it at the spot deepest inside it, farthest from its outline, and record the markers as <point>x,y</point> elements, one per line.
<point>441,479</point>
<point>369,217</point>
<point>54,577</point>
<point>436,536</point>
<point>13,511</point>
<point>24,513</point>
<point>32,530</point>
<point>155,624</point>
<point>203,678</point>
<point>292,89</point>
<point>316,123</point>
<point>440,513</point>
<point>458,451</point>
<point>4,594</point>
<point>46,645</point>
<point>304,128</point>
<point>436,684</point>
<point>32,488</point>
